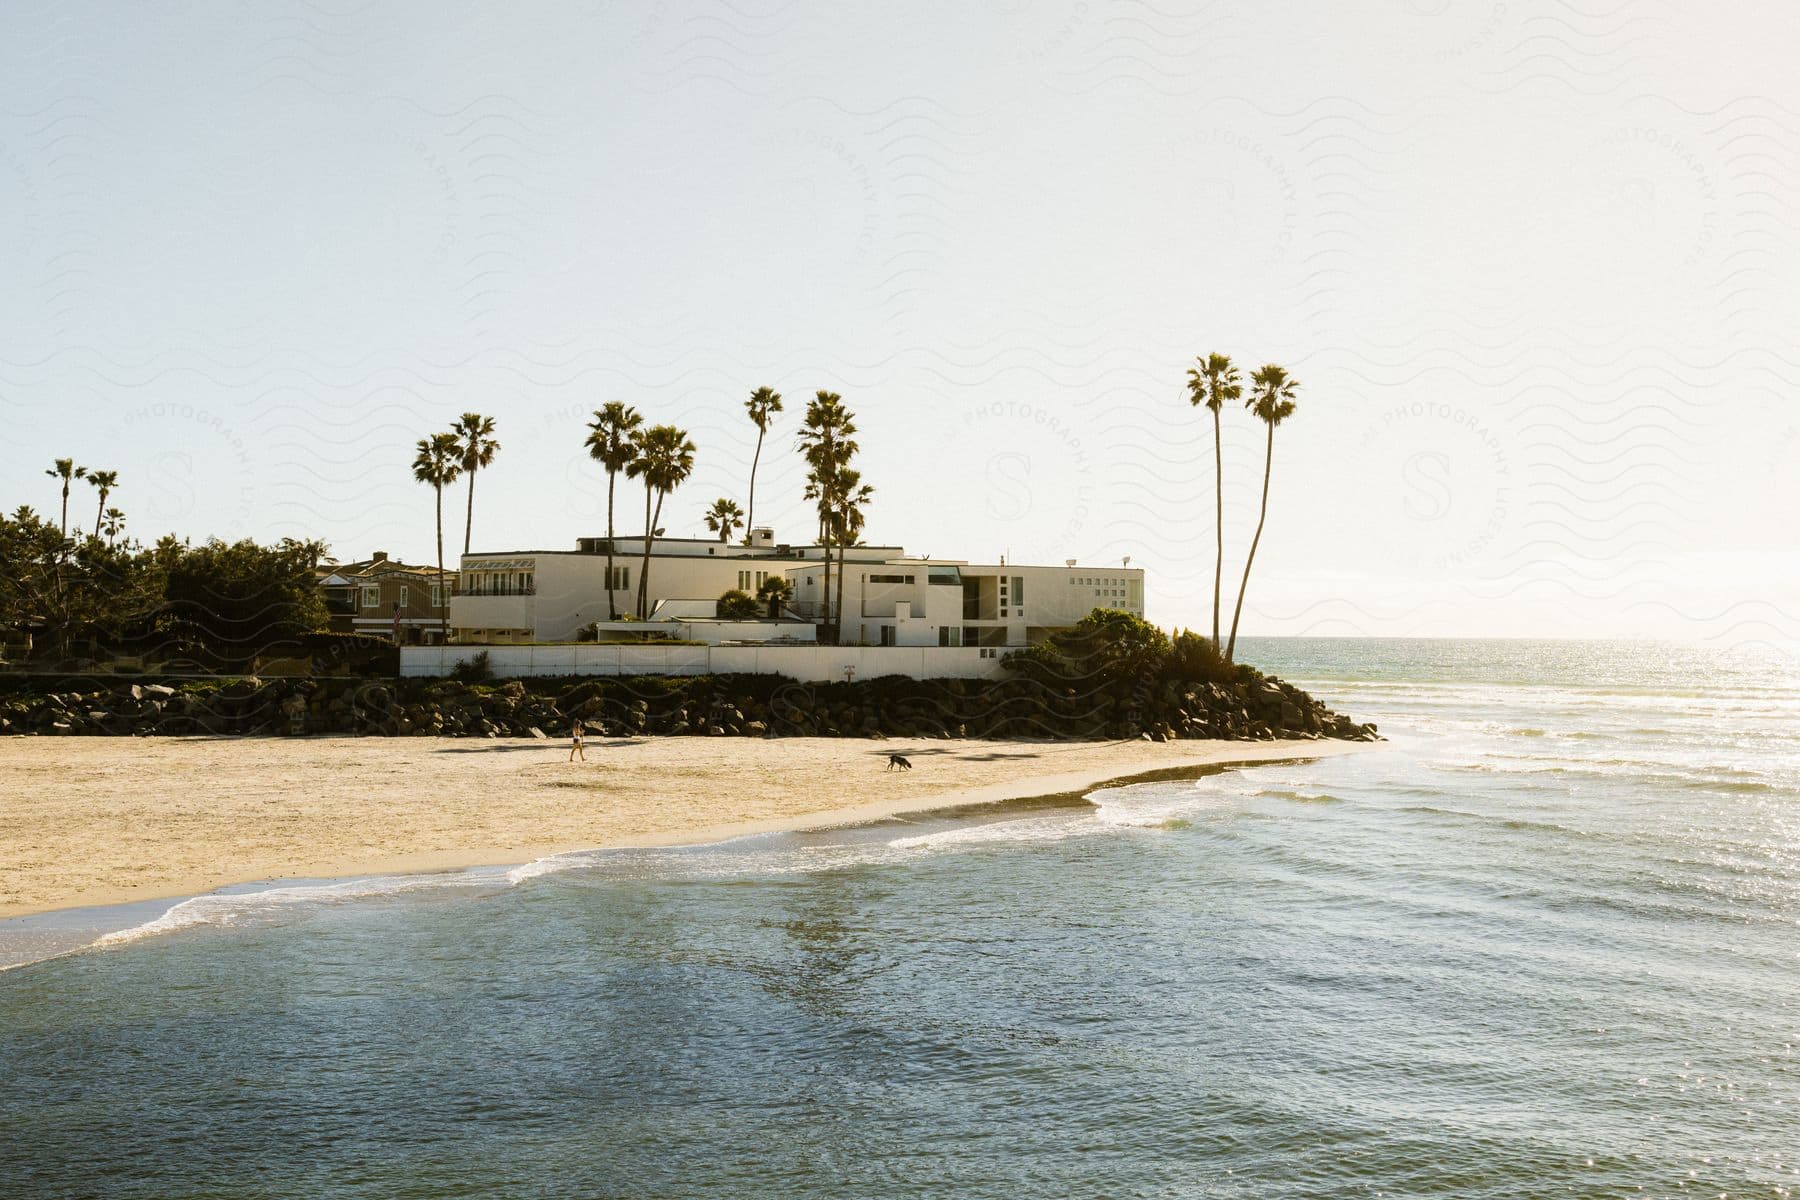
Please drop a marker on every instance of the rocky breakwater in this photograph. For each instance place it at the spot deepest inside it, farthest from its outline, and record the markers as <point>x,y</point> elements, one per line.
<point>1253,707</point>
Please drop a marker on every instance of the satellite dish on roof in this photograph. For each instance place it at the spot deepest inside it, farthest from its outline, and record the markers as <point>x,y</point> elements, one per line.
<point>1127,560</point>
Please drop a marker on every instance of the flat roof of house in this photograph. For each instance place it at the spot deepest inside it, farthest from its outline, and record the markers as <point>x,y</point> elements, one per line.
<point>739,552</point>
<point>380,566</point>
<point>981,566</point>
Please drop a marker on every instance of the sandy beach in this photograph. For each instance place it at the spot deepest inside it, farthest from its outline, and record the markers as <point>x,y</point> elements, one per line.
<point>86,821</point>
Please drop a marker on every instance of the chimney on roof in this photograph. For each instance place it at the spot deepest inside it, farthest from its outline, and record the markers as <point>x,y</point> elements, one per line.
<point>378,556</point>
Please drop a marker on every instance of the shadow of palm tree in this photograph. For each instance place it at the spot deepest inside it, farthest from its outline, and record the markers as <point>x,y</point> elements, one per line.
<point>548,744</point>
<point>932,751</point>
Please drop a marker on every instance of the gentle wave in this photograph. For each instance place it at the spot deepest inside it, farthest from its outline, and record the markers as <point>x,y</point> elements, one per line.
<point>1008,832</point>
<point>228,908</point>
<point>1726,780</point>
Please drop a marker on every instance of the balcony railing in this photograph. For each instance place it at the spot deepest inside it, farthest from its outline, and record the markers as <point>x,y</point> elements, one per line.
<point>499,589</point>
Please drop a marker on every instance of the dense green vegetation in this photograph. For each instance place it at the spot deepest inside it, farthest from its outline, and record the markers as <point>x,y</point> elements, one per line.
<point>217,604</point>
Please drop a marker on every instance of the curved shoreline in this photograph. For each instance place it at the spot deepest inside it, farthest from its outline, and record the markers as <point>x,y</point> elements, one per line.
<point>113,822</point>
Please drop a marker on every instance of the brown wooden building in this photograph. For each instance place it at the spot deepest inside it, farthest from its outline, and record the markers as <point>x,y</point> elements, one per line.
<point>388,599</point>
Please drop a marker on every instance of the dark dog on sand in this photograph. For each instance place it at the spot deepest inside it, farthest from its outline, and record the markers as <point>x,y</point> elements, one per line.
<point>898,760</point>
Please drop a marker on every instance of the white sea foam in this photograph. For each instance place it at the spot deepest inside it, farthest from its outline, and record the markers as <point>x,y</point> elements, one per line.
<point>1035,829</point>
<point>230,908</point>
<point>551,865</point>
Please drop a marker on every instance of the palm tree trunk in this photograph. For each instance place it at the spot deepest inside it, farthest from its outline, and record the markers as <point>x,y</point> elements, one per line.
<point>65,510</point>
<point>825,613</point>
<point>843,537</point>
<point>443,600</point>
<point>644,571</point>
<point>98,515</point>
<point>1218,523</point>
<point>644,575</point>
<point>1268,461</point>
<point>469,520</point>
<point>612,603</point>
<point>750,517</point>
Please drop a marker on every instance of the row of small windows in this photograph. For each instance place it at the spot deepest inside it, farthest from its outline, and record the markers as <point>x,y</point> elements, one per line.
<point>371,596</point>
<point>749,581</point>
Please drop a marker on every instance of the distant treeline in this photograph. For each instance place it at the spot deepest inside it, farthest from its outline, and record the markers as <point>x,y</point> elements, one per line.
<point>216,605</point>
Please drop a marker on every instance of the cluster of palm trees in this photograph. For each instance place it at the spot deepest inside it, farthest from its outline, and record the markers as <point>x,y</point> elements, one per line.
<point>663,457</point>
<point>828,443</point>
<point>109,523</point>
<point>660,455</point>
<point>443,458</point>
<point>1213,381</point>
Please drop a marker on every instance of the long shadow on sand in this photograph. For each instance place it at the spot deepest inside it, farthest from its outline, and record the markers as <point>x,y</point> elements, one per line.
<point>930,751</point>
<point>548,744</point>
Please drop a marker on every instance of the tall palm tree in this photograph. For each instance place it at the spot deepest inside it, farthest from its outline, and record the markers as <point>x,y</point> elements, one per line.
<point>66,470</point>
<point>114,526</point>
<point>762,406</point>
<point>476,449</point>
<point>818,490</point>
<point>438,462</point>
<point>851,496</point>
<point>827,441</point>
<point>106,481</point>
<point>639,468</point>
<point>724,518</point>
<point>612,442</point>
<point>667,458</point>
<point>1212,383</point>
<point>1272,400</point>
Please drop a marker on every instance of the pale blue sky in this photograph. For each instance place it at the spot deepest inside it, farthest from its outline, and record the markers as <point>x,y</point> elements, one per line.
<point>1535,266</point>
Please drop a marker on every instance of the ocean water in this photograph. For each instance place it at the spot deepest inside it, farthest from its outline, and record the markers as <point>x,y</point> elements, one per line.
<point>1544,942</point>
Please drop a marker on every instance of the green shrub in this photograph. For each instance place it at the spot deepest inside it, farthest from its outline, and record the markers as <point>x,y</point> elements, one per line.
<point>1107,644</point>
<point>737,605</point>
<point>479,669</point>
<point>1193,656</point>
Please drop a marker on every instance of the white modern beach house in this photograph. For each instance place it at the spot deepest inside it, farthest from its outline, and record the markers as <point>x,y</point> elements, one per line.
<point>548,611</point>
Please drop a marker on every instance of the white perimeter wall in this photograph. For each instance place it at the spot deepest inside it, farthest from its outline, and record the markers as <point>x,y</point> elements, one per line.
<point>809,664</point>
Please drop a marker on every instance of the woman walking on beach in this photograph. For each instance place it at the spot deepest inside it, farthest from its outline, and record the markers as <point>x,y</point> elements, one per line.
<point>576,734</point>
